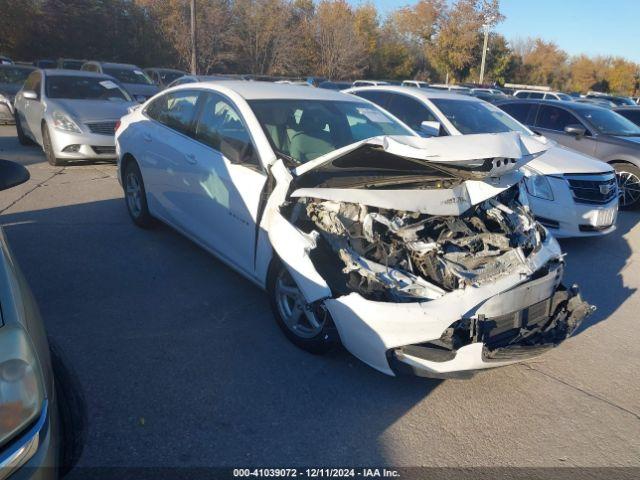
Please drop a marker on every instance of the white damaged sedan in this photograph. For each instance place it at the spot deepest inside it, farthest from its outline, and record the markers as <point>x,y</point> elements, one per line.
<point>419,255</point>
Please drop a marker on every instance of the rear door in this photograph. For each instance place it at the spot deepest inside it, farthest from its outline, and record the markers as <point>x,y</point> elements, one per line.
<point>225,182</point>
<point>525,113</point>
<point>551,122</point>
<point>166,145</point>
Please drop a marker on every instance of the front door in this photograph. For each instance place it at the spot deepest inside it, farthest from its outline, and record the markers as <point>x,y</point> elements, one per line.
<point>225,182</point>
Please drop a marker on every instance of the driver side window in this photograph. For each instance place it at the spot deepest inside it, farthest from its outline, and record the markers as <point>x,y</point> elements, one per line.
<point>220,127</point>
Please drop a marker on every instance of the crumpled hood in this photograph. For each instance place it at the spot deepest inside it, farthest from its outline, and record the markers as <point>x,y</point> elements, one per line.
<point>91,110</point>
<point>436,176</point>
<point>472,156</point>
<point>560,160</point>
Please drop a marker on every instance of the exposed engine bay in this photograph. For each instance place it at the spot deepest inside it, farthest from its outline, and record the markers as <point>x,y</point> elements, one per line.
<point>426,254</point>
<point>388,255</point>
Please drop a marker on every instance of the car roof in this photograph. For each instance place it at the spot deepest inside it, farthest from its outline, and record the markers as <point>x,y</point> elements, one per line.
<point>163,69</point>
<point>59,72</point>
<point>257,90</point>
<point>577,106</point>
<point>115,65</point>
<point>14,65</point>
<point>626,107</point>
<point>424,93</point>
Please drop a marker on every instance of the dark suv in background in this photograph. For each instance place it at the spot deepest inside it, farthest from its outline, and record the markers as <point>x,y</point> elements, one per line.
<point>590,129</point>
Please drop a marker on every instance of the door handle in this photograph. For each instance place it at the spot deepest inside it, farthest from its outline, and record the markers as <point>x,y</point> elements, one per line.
<point>146,137</point>
<point>191,158</point>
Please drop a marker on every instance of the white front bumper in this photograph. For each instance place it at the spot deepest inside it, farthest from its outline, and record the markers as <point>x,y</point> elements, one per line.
<point>371,329</point>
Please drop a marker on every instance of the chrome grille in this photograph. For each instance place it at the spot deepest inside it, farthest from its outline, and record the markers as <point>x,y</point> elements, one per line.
<point>102,128</point>
<point>593,189</point>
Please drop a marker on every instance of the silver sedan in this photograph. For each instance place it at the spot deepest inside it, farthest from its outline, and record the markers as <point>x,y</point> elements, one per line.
<point>72,115</point>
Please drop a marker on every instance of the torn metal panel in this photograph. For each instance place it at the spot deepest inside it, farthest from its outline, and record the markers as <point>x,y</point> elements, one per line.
<point>443,201</point>
<point>292,245</point>
<point>470,156</point>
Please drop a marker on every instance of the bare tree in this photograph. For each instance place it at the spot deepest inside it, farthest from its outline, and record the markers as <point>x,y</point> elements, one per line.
<point>341,51</point>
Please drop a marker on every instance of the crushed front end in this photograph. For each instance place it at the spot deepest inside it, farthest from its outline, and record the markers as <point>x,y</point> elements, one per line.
<point>438,272</point>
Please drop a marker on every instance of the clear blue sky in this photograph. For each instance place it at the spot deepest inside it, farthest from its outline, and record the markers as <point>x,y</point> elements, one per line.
<point>594,27</point>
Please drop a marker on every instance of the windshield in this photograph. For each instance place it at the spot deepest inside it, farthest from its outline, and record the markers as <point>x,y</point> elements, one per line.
<point>476,117</point>
<point>610,123</point>
<point>85,88</point>
<point>14,74</point>
<point>129,75</point>
<point>306,129</point>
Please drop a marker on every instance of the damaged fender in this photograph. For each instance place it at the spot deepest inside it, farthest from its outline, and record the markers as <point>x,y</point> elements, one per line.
<point>291,244</point>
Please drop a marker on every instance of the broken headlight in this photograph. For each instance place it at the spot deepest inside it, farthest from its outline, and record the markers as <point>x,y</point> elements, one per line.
<point>21,389</point>
<point>537,184</point>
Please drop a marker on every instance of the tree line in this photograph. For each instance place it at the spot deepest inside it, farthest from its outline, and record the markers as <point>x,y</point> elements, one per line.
<point>432,40</point>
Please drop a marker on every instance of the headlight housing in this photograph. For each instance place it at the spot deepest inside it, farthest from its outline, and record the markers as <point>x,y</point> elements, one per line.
<point>537,184</point>
<point>63,122</point>
<point>21,385</point>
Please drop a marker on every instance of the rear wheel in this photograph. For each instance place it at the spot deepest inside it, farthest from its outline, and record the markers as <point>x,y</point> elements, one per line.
<point>22,137</point>
<point>308,326</point>
<point>628,176</point>
<point>48,147</point>
<point>136,196</point>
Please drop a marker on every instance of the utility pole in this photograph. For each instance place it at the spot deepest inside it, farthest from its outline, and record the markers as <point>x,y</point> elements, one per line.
<point>194,44</point>
<point>484,51</point>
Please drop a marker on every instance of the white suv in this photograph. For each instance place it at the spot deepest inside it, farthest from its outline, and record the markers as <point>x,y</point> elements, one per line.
<point>539,95</point>
<point>555,204</point>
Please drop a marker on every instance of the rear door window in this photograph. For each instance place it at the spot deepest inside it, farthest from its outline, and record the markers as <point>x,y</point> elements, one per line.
<point>523,112</point>
<point>379,98</point>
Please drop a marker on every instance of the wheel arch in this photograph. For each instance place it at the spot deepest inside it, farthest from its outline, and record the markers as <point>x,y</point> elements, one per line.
<point>127,158</point>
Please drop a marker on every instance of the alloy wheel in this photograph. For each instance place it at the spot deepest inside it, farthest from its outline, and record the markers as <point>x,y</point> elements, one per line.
<point>629,186</point>
<point>134,194</point>
<point>296,313</point>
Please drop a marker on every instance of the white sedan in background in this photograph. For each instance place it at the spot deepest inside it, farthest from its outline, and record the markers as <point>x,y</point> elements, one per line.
<point>419,255</point>
<point>570,193</point>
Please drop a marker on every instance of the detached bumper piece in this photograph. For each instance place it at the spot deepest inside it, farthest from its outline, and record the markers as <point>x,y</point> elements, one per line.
<point>481,342</point>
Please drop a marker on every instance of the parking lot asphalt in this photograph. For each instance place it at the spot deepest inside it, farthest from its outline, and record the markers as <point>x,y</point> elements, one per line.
<point>182,364</point>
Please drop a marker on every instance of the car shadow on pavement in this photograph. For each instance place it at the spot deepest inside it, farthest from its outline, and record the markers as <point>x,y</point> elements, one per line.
<point>11,149</point>
<point>180,359</point>
<point>597,264</point>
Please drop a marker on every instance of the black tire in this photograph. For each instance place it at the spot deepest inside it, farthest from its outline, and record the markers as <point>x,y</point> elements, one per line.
<point>628,176</point>
<point>48,148</point>
<point>138,209</point>
<point>72,409</point>
<point>22,137</point>
<point>325,340</point>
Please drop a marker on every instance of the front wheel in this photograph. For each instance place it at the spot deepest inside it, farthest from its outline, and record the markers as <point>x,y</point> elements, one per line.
<point>136,196</point>
<point>308,326</point>
<point>48,148</point>
<point>628,176</point>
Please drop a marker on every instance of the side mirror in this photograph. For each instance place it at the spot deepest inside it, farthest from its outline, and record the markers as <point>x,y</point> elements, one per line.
<point>12,174</point>
<point>29,95</point>
<point>575,130</point>
<point>430,128</point>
